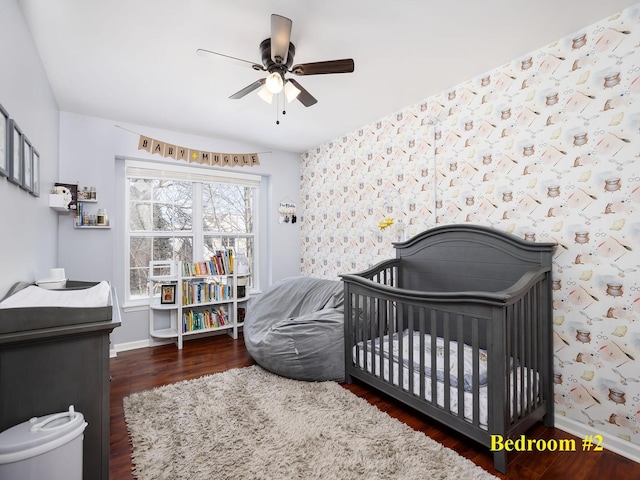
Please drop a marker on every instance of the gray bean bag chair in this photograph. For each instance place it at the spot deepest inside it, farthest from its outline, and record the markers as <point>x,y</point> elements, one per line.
<point>295,329</point>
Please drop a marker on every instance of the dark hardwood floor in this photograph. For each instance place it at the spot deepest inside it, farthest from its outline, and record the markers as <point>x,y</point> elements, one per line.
<point>146,368</point>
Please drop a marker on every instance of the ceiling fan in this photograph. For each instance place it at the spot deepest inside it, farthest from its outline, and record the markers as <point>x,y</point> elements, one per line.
<point>277,59</point>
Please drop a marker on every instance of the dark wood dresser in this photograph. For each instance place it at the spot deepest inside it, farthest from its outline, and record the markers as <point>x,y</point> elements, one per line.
<point>53,357</point>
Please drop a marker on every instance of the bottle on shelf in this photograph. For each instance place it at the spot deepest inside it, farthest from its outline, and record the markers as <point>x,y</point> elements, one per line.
<point>102,218</point>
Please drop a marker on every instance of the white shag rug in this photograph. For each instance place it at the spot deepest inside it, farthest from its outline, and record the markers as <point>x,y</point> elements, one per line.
<point>248,423</point>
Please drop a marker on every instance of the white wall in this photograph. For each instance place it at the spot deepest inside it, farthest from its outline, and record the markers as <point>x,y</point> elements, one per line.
<point>28,227</point>
<point>91,150</point>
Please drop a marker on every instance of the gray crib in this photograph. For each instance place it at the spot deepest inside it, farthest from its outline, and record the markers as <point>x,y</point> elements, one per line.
<point>466,300</point>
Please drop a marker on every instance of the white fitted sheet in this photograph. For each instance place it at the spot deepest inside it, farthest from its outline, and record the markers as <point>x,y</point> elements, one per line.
<point>373,366</point>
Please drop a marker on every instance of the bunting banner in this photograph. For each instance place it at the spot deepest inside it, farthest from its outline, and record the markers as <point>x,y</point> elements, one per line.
<point>214,159</point>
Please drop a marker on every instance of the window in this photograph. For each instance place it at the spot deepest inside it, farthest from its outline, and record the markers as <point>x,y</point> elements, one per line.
<point>186,214</point>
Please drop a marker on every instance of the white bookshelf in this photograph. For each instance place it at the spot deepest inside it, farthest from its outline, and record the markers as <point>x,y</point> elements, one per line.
<point>204,300</point>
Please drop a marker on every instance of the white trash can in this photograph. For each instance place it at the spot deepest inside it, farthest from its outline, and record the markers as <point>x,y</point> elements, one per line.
<point>48,447</point>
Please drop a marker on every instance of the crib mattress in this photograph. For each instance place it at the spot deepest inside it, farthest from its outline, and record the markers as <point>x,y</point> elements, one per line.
<point>373,352</point>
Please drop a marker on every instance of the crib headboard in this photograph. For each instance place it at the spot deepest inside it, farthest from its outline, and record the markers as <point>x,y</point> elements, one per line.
<point>467,258</point>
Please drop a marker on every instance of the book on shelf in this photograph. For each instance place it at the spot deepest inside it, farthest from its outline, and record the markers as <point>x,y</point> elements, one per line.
<point>200,320</point>
<point>205,292</point>
<point>220,263</point>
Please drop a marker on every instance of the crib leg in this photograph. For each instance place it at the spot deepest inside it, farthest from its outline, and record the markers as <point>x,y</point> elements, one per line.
<point>500,461</point>
<point>548,420</point>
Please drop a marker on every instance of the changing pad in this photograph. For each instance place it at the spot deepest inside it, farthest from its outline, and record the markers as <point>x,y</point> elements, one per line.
<point>33,296</point>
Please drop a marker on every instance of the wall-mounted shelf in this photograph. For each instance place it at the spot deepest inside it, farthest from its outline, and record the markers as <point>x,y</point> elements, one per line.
<point>93,220</point>
<point>56,202</point>
<point>83,220</point>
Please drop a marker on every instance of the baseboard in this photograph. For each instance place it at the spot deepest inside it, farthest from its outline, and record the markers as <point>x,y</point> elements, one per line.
<point>123,347</point>
<point>609,442</point>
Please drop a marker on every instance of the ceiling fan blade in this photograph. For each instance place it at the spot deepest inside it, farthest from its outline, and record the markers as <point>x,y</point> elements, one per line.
<point>305,97</point>
<point>205,53</point>
<point>248,89</point>
<point>345,65</point>
<point>280,38</point>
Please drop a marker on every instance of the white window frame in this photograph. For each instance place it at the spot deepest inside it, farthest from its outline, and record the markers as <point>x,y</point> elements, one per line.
<point>198,175</point>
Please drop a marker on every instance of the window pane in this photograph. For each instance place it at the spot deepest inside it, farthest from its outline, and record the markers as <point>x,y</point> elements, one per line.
<point>172,191</point>
<point>183,249</point>
<point>214,243</point>
<point>163,248</point>
<point>227,208</point>
<point>140,189</point>
<point>139,252</point>
<point>138,282</point>
<point>173,248</point>
<point>246,245</point>
<point>211,245</point>
<point>171,218</point>
<point>160,205</point>
<point>140,217</point>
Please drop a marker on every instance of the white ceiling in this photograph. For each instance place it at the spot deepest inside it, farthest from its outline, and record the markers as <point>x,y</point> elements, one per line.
<point>135,61</point>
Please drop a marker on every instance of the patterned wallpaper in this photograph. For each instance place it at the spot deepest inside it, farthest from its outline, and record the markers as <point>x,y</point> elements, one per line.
<point>545,147</point>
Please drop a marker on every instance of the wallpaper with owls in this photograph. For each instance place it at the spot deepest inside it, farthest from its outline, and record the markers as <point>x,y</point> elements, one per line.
<point>545,147</point>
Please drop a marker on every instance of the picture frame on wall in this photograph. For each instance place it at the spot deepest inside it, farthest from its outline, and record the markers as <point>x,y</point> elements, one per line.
<point>27,172</point>
<point>15,157</point>
<point>35,171</point>
<point>4,142</point>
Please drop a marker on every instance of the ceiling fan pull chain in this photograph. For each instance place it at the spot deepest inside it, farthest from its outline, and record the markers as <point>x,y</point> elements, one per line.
<point>278,109</point>
<point>284,104</point>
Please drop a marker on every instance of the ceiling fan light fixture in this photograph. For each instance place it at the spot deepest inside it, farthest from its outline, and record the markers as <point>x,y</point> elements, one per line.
<point>265,94</point>
<point>277,54</point>
<point>291,91</point>
<point>274,83</point>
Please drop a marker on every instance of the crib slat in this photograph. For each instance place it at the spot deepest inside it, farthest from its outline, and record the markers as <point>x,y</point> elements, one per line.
<point>398,330</point>
<point>536,339</point>
<point>434,334</point>
<point>390,330</point>
<point>381,333</point>
<point>508,358</point>
<point>513,366</point>
<point>475,386</point>
<point>518,360</point>
<point>422,358</point>
<point>349,340</point>
<point>459,337</point>
<point>529,347</point>
<point>447,365</point>
<point>410,370</point>
<point>358,326</point>
<point>519,389</point>
<point>369,311</point>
